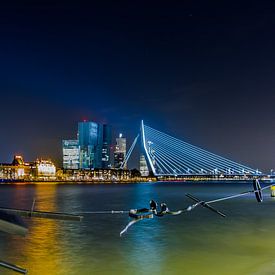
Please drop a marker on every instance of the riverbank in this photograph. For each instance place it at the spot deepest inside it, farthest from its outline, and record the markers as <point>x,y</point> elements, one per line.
<point>135,181</point>
<point>75,182</point>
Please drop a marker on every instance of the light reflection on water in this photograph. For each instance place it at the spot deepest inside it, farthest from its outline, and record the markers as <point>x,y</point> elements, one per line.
<point>194,243</point>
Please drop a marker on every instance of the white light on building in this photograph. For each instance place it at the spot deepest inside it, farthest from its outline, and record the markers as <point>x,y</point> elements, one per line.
<point>45,168</point>
<point>143,168</point>
<point>71,154</point>
<point>120,151</point>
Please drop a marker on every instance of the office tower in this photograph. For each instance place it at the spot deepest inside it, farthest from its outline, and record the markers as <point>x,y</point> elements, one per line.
<point>95,143</point>
<point>120,151</point>
<point>106,146</point>
<point>143,168</point>
<point>88,138</point>
<point>71,151</point>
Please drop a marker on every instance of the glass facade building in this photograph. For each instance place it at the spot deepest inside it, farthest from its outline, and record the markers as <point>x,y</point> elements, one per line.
<point>120,151</point>
<point>70,149</point>
<point>106,146</point>
<point>91,149</point>
<point>90,142</point>
<point>143,168</point>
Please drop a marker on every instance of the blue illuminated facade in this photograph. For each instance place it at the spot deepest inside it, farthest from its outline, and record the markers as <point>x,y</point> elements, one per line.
<point>89,138</point>
<point>93,143</point>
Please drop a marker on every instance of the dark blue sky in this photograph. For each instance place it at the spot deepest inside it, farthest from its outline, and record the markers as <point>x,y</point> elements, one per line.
<point>200,70</point>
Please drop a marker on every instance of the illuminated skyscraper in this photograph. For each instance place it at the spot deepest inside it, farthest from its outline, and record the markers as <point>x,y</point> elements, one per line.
<point>89,140</point>
<point>143,168</point>
<point>106,146</point>
<point>120,151</point>
<point>91,149</point>
<point>71,150</point>
<point>95,143</point>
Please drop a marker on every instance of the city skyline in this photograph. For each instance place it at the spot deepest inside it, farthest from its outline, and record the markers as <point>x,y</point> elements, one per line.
<point>133,161</point>
<point>159,152</point>
<point>202,72</point>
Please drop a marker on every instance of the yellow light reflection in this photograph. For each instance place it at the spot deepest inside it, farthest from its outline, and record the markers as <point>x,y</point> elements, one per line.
<point>41,249</point>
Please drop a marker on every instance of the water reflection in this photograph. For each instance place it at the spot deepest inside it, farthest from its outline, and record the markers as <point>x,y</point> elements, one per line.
<point>41,250</point>
<point>144,252</point>
<point>42,246</point>
<point>196,243</point>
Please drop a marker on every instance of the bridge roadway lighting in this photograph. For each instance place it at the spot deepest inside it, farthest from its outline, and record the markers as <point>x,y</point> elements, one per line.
<point>173,154</point>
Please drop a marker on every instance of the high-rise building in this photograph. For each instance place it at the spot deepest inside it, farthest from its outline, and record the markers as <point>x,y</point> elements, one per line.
<point>88,133</point>
<point>106,146</point>
<point>143,168</point>
<point>89,140</point>
<point>71,154</point>
<point>91,149</point>
<point>95,144</point>
<point>120,151</point>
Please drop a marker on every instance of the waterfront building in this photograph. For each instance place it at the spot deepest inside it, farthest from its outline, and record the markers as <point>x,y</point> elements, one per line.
<point>143,168</point>
<point>17,170</point>
<point>106,146</point>
<point>18,160</point>
<point>91,149</point>
<point>71,154</point>
<point>43,169</point>
<point>89,136</point>
<point>120,151</point>
<point>20,170</point>
<point>95,145</point>
<point>96,175</point>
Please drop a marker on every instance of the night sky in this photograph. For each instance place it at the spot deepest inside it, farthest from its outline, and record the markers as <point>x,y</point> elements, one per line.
<point>203,71</point>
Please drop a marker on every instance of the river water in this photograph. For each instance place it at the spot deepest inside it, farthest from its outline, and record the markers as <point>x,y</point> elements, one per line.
<point>197,242</point>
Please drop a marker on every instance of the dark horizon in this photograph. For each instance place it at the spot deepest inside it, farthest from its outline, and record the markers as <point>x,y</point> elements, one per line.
<point>202,72</point>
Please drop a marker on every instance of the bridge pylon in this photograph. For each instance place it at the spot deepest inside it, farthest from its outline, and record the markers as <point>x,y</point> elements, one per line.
<point>166,155</point>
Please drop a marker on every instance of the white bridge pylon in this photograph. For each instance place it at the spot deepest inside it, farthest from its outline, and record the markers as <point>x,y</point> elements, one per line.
<point>168,156</point>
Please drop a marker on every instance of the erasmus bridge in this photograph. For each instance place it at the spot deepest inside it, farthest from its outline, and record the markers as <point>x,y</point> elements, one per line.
<point>166,155</point>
